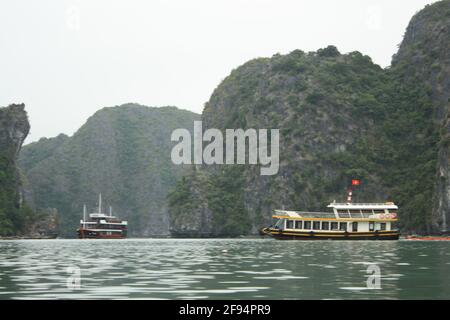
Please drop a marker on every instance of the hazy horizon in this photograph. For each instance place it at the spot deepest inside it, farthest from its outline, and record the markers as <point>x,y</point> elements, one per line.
<point>67,59</point>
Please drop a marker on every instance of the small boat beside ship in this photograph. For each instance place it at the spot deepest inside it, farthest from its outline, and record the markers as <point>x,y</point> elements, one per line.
<point>345,221</point>
<point>427,238</point>
<point>101,226</point>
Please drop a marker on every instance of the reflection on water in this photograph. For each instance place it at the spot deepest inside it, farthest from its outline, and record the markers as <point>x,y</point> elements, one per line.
<point>223,269</point>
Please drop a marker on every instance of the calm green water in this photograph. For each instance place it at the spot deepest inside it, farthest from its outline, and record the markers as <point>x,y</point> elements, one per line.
<point>223,269</point>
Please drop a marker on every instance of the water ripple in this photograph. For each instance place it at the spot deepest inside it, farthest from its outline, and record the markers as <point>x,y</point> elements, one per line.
<point>222,269</point>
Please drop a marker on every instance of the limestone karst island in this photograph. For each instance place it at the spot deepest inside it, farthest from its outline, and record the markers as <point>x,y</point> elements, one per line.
<point>360,153</point>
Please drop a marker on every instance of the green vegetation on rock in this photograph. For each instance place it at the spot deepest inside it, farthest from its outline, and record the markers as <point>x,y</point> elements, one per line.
<point>15,215</point>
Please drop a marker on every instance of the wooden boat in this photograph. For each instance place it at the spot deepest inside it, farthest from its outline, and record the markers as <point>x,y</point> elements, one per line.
<point>427,238</point>
<point>102,226</point>
<point>346,221</point>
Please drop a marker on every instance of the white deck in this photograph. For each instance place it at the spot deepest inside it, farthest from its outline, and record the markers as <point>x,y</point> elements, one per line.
<point>348,210</point>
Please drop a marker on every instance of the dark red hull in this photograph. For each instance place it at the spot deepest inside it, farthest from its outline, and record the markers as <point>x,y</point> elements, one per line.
<point>88,234</point>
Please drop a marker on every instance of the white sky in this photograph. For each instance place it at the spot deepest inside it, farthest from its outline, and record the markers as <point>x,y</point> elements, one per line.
<point>65,59</point>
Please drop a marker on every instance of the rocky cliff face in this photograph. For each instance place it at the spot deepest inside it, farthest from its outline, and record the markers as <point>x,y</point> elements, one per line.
<point>14,128</point>
<point>122,152</point>
<point>424,56</point>
<point>192,218</point>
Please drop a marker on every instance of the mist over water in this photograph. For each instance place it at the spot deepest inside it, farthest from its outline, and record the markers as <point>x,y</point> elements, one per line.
<point>223,269</point>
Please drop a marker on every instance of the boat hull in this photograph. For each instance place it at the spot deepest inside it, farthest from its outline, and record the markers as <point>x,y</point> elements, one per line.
<point>292,235</point>
<point>87,234</point>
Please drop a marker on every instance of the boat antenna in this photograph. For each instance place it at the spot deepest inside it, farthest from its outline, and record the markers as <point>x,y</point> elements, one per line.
<point>100,203</point>
<point>110,211</point>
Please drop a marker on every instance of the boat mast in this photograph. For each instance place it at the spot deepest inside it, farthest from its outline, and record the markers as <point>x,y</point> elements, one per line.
<point>110,211</point>
<point>100,203</point>
<point>84,216</point>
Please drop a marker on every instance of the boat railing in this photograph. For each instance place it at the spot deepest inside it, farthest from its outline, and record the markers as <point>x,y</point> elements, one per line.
<point>306,214</point>
<point>317,214</point>
<point>341,215</point>
<point>361,204</point>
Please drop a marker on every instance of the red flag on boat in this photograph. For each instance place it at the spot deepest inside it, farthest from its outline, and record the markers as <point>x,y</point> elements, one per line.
<point>355,182</point>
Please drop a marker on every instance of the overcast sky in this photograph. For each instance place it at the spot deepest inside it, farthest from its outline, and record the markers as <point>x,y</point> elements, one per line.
<point>67,59</point>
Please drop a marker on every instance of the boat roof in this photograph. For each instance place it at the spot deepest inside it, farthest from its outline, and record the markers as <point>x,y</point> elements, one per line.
<point>362,206</point>
<point>340,211</point>
<point>100,215</point>
<point>299,214</point>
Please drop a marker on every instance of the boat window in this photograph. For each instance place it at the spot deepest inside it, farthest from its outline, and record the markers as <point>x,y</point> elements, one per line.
<point>371,226</point>
<point>325,225</point>
<point>378,211</point>
<point>343,226</point>
<point>343,213</point>
<point>290,224</point>
<point>316,225</point>
<point>307,225</point>
<point>355,227</point>
<point>298,224</point>
<point>280,223</point>
<point>334,226</point>
<point>367,211</point>
<point>383,226</point>
<point>355,211</point>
